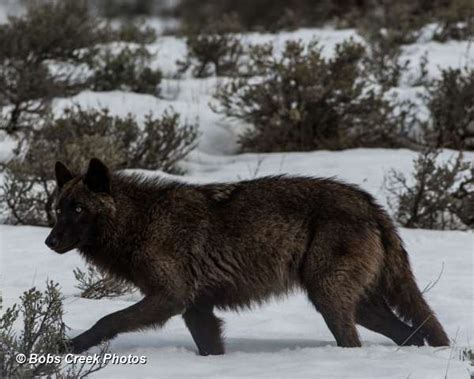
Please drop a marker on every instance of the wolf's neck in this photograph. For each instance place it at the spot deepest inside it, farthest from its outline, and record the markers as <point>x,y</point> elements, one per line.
<point>123,232</point>
<point>112,253</point>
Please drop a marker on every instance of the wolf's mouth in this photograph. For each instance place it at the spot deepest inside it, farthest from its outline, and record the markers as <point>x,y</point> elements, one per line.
<point>62,250</point>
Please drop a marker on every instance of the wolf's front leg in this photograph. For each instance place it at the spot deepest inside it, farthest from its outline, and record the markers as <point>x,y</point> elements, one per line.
<point>152,310</point>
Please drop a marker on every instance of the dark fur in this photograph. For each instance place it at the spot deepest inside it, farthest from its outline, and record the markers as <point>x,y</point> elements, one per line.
<point>191,248</point>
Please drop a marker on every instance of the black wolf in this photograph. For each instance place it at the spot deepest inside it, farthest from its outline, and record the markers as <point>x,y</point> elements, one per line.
<point>191,248</point>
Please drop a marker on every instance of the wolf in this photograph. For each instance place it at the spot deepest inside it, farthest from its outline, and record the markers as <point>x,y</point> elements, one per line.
<point>191,249</point>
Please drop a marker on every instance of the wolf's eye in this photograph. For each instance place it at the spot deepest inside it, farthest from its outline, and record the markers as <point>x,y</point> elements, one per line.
<point>78,209</point>
<point>58,211</point>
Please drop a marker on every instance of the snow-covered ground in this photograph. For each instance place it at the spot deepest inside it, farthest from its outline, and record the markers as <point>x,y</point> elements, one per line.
<point>286,338</point>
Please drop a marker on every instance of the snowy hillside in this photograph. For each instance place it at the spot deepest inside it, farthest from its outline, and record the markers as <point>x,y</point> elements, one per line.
<point>285,338</point>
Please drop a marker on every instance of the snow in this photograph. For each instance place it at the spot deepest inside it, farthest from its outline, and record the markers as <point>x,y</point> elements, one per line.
<point>9,8</point>
<point>285,338</point>
<point>454,54</point>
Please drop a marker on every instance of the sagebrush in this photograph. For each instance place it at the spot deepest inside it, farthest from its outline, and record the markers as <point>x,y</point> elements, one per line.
<point>450,102</point>
<point>43,333</point>
<point>383,60</point>
<point>28,189</point>
<point>214,50</point>
<point>302,101</point>
<point>96,284</point>
<point>132,31</point>
<point>438,196</point>
<point>28,46</point>
<point>39,62</point>
<point>125,69</point>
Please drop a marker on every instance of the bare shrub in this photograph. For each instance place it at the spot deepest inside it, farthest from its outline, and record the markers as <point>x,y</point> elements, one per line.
<point>51,30</point>
<point>214,50</point>
<point>95,284</point>
<point>128,69</point>
<point>301,101</point>
<point>132,31</point>
<point>30,44</point>
<point>163,142</point>
<point>400,21</point>
<point>25,94</point>
<point>384,59</point>
<point>440,196</point>
<point>44,54</point>
<point>455,21</point>
<point>28,189</point>
<point>43,332</point>
<point>450,102</point>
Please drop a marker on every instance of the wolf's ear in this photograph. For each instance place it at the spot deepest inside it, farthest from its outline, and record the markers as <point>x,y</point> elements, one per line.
<point>63,175</point>
<point>97,176</point>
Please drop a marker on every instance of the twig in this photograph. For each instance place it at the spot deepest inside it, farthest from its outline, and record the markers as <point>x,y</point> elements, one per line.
<point>451,353</point>
<point>431,284</point>
<point>254,173</point>
<point>414,332</point>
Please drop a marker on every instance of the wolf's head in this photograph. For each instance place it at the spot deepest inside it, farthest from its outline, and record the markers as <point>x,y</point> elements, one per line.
<point>82,203</point>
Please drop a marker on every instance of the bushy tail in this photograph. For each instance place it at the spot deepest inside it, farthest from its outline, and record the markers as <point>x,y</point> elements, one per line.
<point>401,291</point>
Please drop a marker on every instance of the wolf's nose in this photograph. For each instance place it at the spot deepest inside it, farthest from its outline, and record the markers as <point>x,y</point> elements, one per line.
<point>51,242</point>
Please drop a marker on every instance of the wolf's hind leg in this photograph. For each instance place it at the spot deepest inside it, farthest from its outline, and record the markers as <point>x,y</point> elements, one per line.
<point>341,263</point>
<point>337,304</point>
<point>374,314</point>
<point>340,318</point>
<point>205,328</point>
